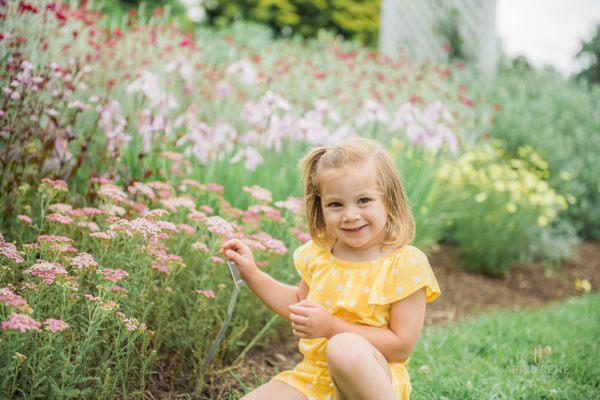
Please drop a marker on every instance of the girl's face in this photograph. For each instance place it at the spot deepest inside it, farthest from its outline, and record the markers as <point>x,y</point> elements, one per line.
<point>353,206</point>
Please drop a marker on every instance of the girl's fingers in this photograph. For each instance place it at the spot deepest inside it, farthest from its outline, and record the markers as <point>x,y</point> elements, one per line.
<point>298,319</point>
<point>300,335</point>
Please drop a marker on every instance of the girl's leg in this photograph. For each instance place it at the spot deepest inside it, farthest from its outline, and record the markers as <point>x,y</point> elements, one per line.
<point>274,390</point>
<point>359,371</point>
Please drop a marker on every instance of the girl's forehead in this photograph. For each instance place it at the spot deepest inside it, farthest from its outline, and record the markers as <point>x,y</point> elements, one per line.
<point>362,177</point>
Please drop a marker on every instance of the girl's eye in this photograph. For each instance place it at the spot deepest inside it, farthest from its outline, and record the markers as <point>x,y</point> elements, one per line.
<point>364,200</point>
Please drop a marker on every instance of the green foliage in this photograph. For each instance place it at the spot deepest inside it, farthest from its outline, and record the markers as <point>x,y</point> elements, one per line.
<point>559,118</point>
<point>591,50</point>
<point>502,200</point>
<point>353,19</point>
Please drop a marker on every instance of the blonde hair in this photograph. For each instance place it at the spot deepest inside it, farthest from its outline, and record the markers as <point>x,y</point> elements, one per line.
<point>400,223</point>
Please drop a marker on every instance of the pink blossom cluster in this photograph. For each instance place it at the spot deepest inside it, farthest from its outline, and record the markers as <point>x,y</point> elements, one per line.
<point>221,227</point>
<point>11,299</point>
<point>429,127</point>
<point>190,182</point>
<point>61,244</point>
<point>25,219</point>
<point>155,214</point>
<point>293,204</point>
<point>47,271</point>
<point>174,203</point>
<point>271,244</point>
<point>55,184</point>
<point>90,297</point>
<point>141,227</point>
<point>114,193</point>
<point>214,187</point>
<point>206,293</point>
<point>254,244</point>
<point>162,259</point>
<point>167,227</point>
<point>109,305</point>
<point>258,114</point>
<point>92,226</point>
<point>9,250</point>
<point>21,322</point>
<point>107,235</point>
<point>83,261</point>
<point>131,324</point>
<point>139,187</point>
<point>302,236</point>
<point>185,228</point>
<point>258,193</point>
<point>55,325</point>
<point>197,216</point>
<point>254,211</point>
<point>113,124</point>
<point>161,189</point>
<point>86,212</point>
<point>200,246</point>
<point>114,275</point>
<point>60,208</point>
<point>59,218</point>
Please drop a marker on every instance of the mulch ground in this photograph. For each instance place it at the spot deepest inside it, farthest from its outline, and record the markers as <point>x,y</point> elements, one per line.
<point>464,294</point>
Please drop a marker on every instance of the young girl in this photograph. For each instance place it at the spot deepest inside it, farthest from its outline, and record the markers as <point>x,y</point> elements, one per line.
<point>360,305</point>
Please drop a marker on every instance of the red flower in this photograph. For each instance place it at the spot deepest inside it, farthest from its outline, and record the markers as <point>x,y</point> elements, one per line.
<point>346,56</point>
<point>187,42</point>
<point>27,7</point>
<point>60,16</point>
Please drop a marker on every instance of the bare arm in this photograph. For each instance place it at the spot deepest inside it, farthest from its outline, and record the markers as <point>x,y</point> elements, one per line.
<point>276,295</point>
<point>397,342</point>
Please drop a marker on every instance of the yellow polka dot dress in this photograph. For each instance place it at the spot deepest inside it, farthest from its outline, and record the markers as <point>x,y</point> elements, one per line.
<point>361,293</point>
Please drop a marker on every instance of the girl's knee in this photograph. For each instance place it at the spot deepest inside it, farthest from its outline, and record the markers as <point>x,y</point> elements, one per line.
<point>344,350</point>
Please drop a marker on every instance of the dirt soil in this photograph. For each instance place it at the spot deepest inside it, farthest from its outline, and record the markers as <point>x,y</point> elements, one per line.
<point>464,294</point>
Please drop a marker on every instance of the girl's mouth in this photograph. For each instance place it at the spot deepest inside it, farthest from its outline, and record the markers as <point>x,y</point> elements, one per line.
<point>360,228</point>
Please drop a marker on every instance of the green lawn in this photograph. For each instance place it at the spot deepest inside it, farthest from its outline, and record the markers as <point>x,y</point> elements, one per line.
<point>551,353</point>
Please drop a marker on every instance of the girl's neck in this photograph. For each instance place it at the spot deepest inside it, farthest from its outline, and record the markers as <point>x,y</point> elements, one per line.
<point>346,253</point>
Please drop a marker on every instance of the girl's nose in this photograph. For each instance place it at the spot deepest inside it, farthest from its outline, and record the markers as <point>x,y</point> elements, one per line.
<point>350,215</point>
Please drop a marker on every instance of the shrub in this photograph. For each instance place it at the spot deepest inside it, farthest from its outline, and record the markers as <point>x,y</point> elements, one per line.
<point>353,19</point>
<point>501,200</point>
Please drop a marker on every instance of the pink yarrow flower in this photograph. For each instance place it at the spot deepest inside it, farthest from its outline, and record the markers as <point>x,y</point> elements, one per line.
<point>9,250</point>
<point>206,293</point>
<point>55,184</point>
<point>60,218</point>
<point>221,227</point>
<point>114,275</point>
<point>83,261</point>
<point>55,325</point>
<point>259,193</point>
<point>25,219</point>
<point>11,299</point>
<point>21,322</point>
<point>47,271</point>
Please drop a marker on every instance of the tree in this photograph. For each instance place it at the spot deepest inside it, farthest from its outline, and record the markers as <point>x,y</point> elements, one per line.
<point>591,50</point>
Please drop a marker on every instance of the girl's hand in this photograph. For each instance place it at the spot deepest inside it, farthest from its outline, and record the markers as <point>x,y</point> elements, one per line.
<point>238,251</point>
<point>310,320</point>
